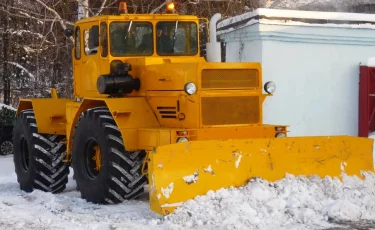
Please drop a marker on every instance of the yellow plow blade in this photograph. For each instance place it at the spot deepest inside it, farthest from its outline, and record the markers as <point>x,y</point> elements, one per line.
<point>179,172</point>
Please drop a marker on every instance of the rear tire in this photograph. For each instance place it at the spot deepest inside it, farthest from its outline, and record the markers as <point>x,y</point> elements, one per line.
<point>38,158</point>
<point>119,177</point>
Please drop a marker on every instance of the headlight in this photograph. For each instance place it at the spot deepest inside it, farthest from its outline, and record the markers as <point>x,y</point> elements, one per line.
<point>190,88</point>
<point>182,139</point>
<point>270,87</point>
<point>279,135</point>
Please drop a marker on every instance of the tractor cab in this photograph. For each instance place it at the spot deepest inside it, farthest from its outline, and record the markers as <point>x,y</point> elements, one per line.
<point>102,45</point>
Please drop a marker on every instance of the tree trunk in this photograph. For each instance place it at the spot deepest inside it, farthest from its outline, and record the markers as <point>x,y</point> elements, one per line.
<point>6,82</point>
<point>83,9</point>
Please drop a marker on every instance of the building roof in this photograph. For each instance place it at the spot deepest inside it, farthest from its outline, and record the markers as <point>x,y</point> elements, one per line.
<point>312,18</point>
<point>293,4</point>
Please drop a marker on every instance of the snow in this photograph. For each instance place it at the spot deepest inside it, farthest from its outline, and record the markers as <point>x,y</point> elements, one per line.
<point>191,178</point>
<point>299,3</point>
<point>31,76</point>
<point>237,162</point>
<point>209,170</point>
<point>7,106</point>
<point>300,14</point>
<point>167,191</point>
<point>291,203</point>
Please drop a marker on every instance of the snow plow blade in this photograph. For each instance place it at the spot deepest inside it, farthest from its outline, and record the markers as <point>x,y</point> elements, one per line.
<point>179,172</point>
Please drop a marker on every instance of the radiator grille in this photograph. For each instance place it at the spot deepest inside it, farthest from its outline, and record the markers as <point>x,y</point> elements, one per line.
<point>230,110</point>
<point>229,78</point>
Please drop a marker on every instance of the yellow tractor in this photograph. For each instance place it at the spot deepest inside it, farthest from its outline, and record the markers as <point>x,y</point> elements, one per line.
<point>148,109</point>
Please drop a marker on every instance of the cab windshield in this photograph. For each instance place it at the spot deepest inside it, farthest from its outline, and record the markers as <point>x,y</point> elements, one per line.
<point>176,38</point>
<point>136,38</point>
<point>131,38</point>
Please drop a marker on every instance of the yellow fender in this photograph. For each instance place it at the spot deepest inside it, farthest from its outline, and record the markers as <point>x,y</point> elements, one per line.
<point>49,114</point>
<point>130,114</point>
<point>179,172</point>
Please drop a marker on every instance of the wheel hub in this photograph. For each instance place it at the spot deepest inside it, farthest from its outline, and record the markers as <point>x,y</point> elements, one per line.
<point>6,147</point>
<point>97,158</point>
<point>92,159</point>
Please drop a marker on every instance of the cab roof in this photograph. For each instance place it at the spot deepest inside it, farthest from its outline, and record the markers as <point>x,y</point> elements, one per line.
<point>147,17</point>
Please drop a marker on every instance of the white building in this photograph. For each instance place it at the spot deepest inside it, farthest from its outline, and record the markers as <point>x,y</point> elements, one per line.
<point>313,57</point>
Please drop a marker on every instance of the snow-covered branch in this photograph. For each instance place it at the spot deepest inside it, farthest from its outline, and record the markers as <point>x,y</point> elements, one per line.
<point>31,76</point>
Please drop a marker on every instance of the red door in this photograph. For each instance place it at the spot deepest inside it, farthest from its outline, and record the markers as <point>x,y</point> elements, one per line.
<point>366,106</point>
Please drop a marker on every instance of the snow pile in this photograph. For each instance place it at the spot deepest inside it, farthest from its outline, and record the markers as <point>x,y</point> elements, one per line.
<point>291,203</point>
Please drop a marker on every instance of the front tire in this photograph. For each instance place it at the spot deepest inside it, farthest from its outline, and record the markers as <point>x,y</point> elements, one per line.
<point>38,158</point>
<point>105,172</point>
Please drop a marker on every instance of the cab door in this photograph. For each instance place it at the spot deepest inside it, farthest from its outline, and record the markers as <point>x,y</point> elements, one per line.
<point>90,59</point>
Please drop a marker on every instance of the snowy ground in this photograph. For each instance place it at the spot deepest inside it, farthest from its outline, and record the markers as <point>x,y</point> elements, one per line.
<point>292,203</point>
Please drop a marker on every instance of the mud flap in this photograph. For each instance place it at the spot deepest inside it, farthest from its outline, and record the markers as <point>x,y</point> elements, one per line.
<point>179,172</point>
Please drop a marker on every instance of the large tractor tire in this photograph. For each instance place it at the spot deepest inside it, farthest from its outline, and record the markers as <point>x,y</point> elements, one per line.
<point>38,158</point>
<point>104,171</point>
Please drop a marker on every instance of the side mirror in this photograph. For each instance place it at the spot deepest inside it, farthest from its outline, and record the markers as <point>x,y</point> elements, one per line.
<point>68,32</point>
<point>94,36</point>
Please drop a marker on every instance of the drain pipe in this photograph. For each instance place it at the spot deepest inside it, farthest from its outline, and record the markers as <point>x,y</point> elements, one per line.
<point>213,48</point>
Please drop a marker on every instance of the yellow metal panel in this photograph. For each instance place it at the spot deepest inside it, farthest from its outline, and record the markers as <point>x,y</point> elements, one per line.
<point>231,107</point>
<point>130,139</point>
<point>230,110</point>
<point>148,139</point>
<point>231,132</point>
<point>24,104</point>
<point>235,68</point>
<point>170,75</point>
<point>229,78</point>
<point>71,120</point>
<point>175,109</point>
<point>50,115</point>
<point>131,112</point>
<point>180,172</point>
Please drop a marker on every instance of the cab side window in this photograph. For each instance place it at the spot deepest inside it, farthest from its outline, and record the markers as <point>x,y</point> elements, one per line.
<point>91,40</point>
<point>77,43</point>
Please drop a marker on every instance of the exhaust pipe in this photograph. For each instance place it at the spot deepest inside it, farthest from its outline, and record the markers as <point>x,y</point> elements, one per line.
<point>213,47</point>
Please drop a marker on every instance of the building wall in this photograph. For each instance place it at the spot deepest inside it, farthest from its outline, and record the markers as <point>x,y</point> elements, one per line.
<point>315,68</point>
<point>244,45</point>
